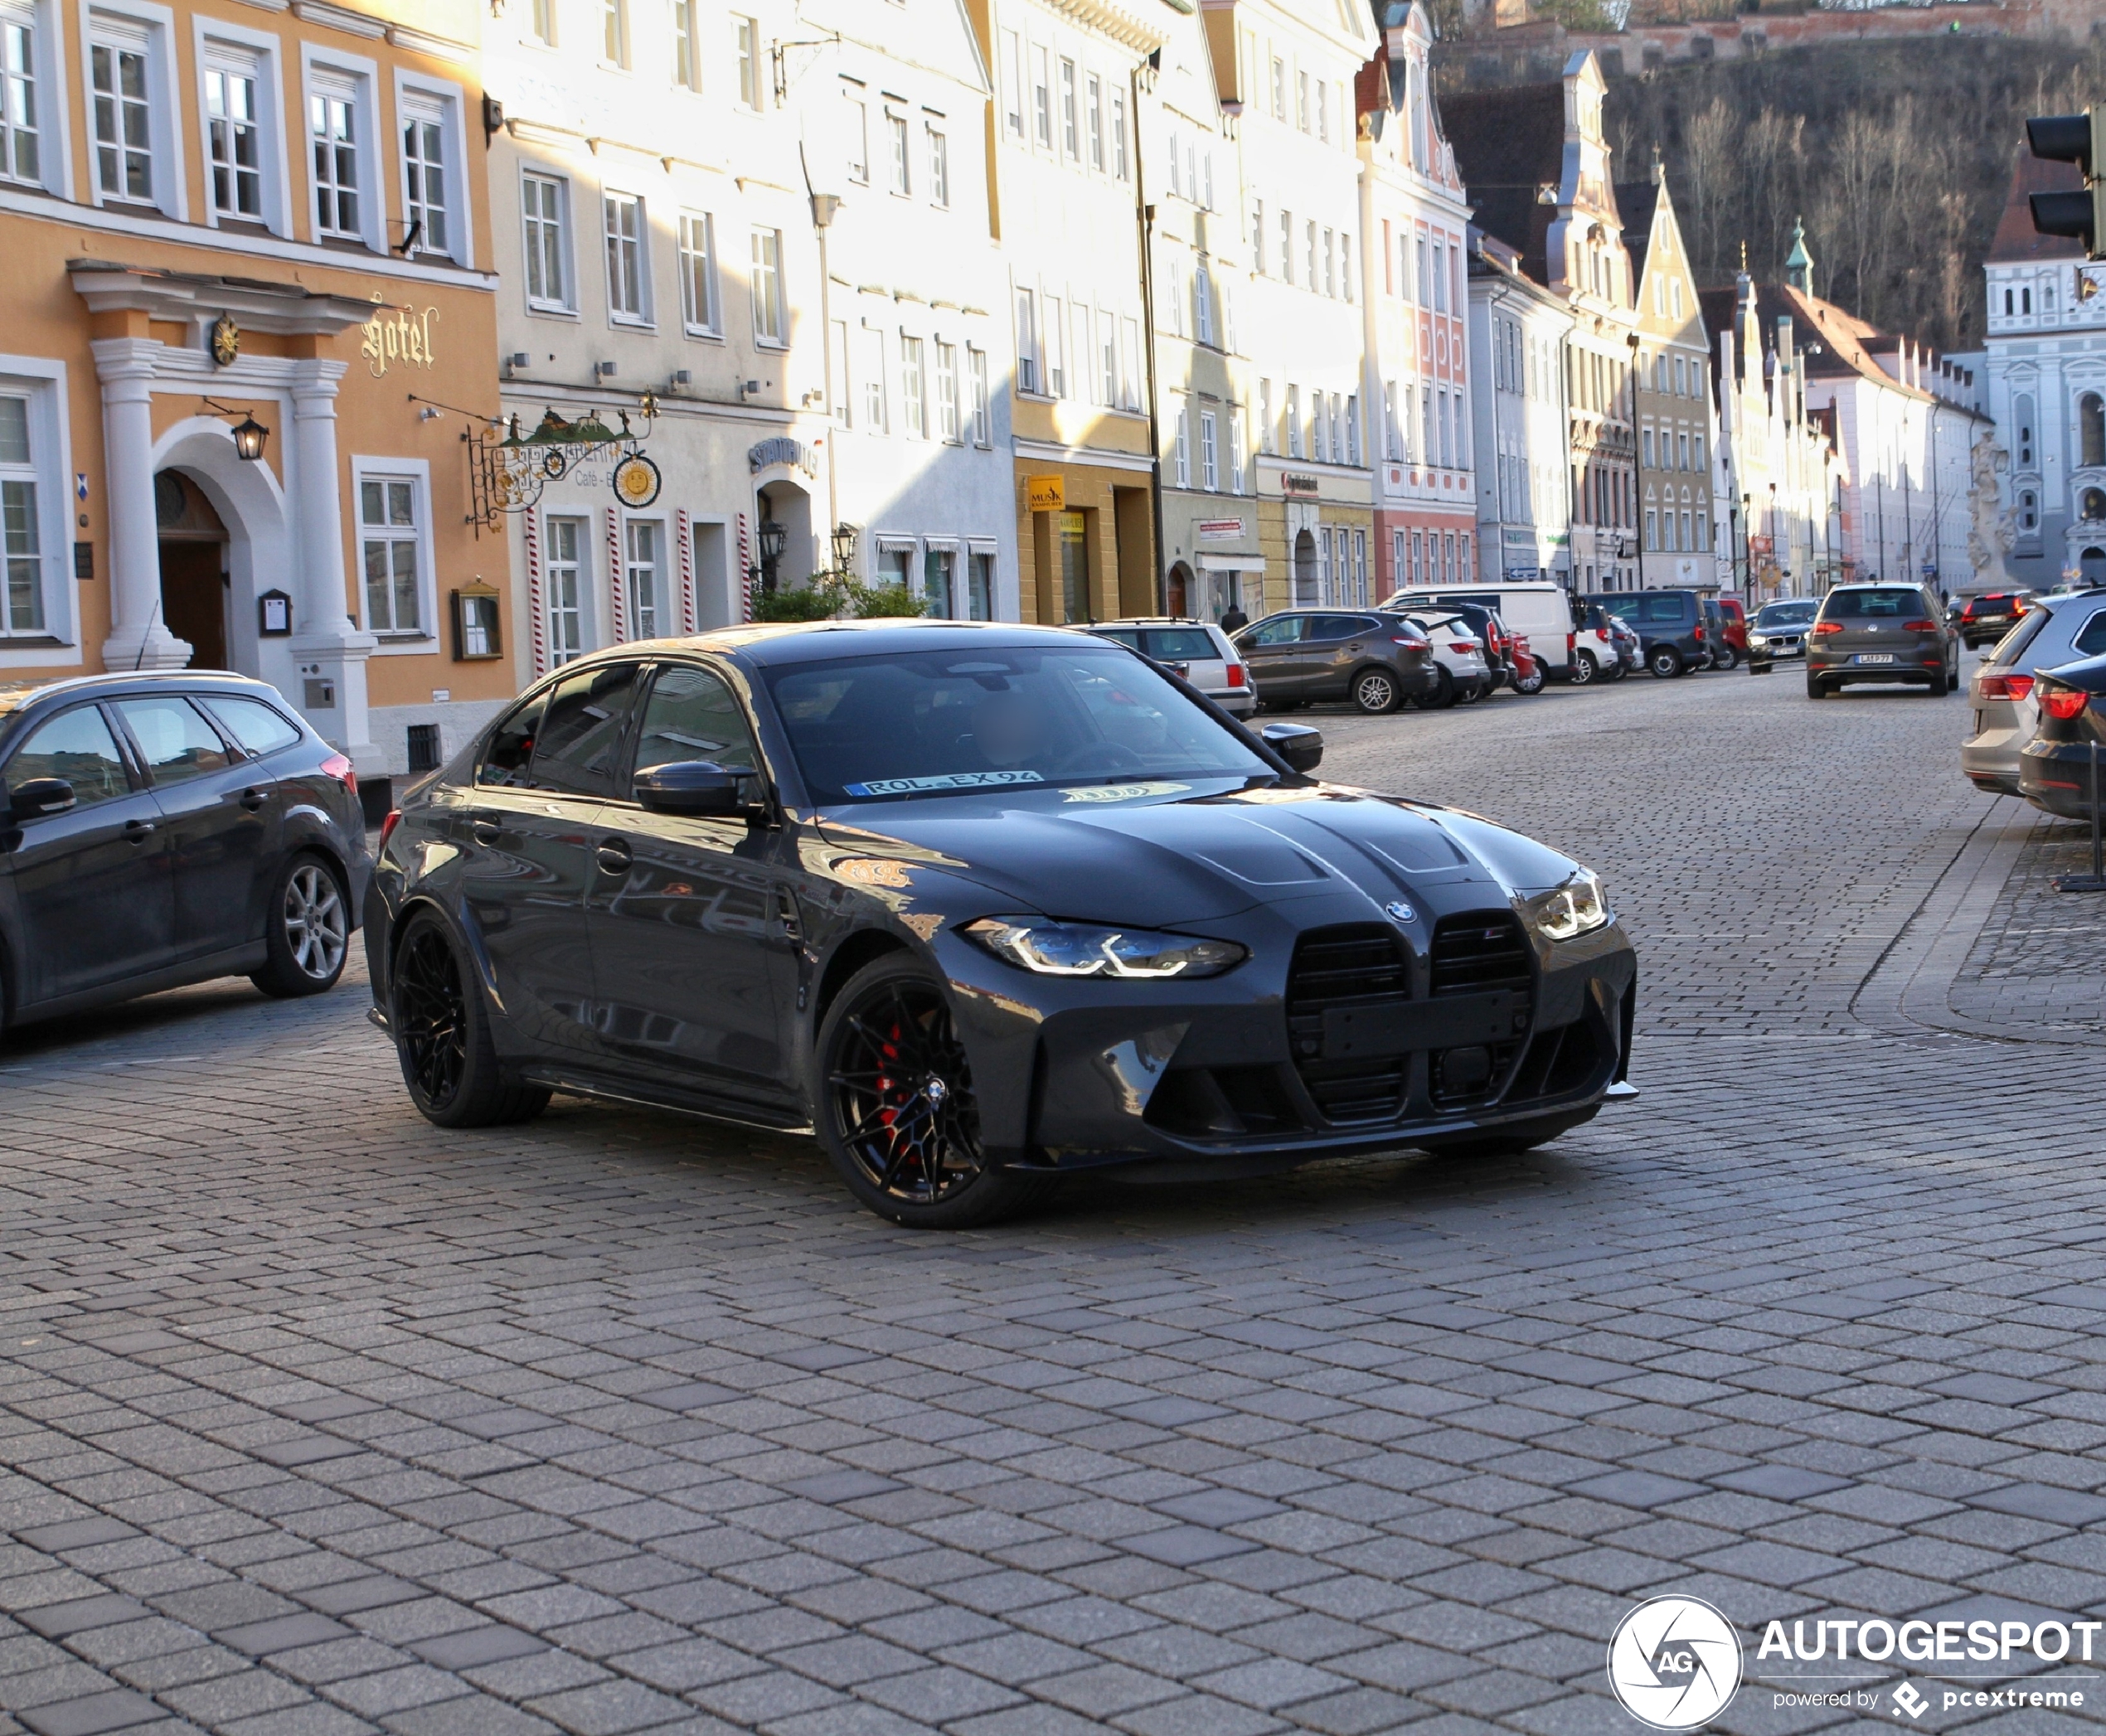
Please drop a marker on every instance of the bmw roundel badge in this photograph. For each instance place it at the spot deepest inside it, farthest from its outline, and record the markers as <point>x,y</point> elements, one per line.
<point>1399,911</point>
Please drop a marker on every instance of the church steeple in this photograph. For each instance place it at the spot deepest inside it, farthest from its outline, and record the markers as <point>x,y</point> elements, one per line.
<point>1798,263</point>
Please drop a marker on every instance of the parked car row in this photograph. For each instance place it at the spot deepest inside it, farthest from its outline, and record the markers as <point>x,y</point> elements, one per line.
<point>2034,717</point>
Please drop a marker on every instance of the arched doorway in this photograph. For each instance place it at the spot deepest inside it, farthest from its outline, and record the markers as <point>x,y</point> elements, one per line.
<point>1305,570</point>
<point>1179,589</point>
<point>197,605</point>
<point>2091,565</point>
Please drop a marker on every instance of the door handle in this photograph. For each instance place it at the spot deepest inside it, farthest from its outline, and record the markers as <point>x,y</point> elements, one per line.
<point>614,856</point>
<point>254,799</point>
<point>486,830</point>
<point>136,832</point>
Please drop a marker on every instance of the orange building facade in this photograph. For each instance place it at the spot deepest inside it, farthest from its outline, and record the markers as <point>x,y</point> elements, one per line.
<point>223,218</point>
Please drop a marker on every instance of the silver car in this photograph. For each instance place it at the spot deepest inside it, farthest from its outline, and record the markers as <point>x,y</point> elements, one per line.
<point>2058,628</point>
<point>1198,650</point>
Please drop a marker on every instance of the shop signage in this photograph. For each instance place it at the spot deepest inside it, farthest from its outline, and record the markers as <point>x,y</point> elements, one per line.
<point>1216,530</point>
<point>1304,485</point>
<point>397,335</point>
<point>1046,493</point>
<point>782,450</point>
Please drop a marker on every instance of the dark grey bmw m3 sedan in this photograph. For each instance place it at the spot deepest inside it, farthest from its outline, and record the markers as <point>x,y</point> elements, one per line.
<point>981,905</point>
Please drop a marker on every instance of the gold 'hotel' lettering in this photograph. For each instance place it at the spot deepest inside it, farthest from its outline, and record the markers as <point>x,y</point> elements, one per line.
<point>405,338</point>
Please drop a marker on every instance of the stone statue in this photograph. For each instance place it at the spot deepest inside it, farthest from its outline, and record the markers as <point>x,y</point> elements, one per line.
<point>1993,526</point>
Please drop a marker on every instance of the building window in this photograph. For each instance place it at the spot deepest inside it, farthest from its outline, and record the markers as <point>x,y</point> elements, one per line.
<point>541,199</point>
<point>940,169</point>
<point>912,401</point>
<point>1012,61</point>
<point>896,126</point>
<point>613,38</point>
<point>767,324</point>
<point>699,309</point>
<point>1130,364</point>
<point>540,23</point>
<point>686,56</point>
<point>1210,468</point>
<point>947,391</point>
<point>2022,415</point>
<point>424,176</point>
<point>1181,448</point>
<point>20,158</point>
<point>1235,452</point>
<point>1352,428</point>
<point>2028,511</point>
<point>856,124</point>
<point>234,135</point>
<point>389,535</point>
<point>1346,266</point>
<point>1301,100</point>
<point>1287,247</point>
<point>334,130</point>
<point>21,605</point>
<point>1645,446</point>
<point>979,598</point>
<point>124,119</point>
<point>2091,430</point>
<point>1052,347</point>
<point>1279,88</point>
<point>1294,421</point>
<point>982,422</point>
<point>1070,118</point>
<point>1203,304</point>
<point>628,286</point>
<point>838,362</point>
<point>568,538</point>
<point>1106,359</point>
<point>1026,341</point>
<point>747,36</point>
<point>1042,97</point>
<point>645,573</point>
<point>1119,133</point>
<point>873,348</point>
<point>1094,122</point>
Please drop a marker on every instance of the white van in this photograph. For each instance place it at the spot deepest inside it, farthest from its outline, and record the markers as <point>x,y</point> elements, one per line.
<point>1539,612</point>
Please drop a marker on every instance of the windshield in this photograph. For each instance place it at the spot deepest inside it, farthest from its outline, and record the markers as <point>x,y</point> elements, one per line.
<point>1785,614</point>
<point>955,722</point>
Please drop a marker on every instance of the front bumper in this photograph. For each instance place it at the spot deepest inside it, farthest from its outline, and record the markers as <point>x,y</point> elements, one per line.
<point>1777,645</point>
<point>1204,1078</point>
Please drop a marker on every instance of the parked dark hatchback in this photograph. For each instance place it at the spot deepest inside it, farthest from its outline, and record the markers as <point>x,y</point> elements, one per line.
<point>1670,627</point>
<point>982,905</point>
<point>2056,767</point>
<point>169,828</point>
<point>1377,660</point>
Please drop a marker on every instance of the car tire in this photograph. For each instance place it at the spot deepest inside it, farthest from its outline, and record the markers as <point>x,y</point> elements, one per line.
<point>894,1011</point>
<point>1725,659</point>
<point>1375,692</point>
<point>1618,672</point>
<point>1816,689</point>
<point>1469,693</point>
<point>1444,693</point>
<point>442,1034</point>
<point>1584,669</point>
<point>1665,662</point>
<point>1532,683</point>
<point>307,930</point>
<point>1938,687</point>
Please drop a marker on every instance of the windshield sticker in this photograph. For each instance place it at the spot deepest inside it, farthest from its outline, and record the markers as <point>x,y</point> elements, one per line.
<point>953,780</point>
<point>1121,792</point>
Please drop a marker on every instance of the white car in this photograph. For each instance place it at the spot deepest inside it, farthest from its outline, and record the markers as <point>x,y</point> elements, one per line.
<point>1198,650</point>
<point>1459,654</point>
<point>1535,610</point>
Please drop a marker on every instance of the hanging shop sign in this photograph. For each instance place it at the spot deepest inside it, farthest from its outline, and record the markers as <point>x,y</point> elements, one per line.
<point>508,474</point>
<point>398,337</point>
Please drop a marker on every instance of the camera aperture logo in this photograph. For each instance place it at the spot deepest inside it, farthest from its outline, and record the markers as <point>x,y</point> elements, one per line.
<point>1674,1663</point>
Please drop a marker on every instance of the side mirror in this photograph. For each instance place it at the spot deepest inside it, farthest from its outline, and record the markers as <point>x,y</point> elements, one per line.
<point>1299,745</point>
<point>698,786</point>
<point>38,798</point>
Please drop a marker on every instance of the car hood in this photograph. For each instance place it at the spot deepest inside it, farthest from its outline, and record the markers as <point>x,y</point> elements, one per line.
<point>1152,860</point>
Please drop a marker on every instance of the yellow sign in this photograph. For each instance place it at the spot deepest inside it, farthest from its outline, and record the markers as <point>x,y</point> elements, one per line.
<point>397,335</point>
<point>1046,493</point>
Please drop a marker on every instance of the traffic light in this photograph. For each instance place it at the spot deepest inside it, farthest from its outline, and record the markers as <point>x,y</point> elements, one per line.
<point>2081,139</point>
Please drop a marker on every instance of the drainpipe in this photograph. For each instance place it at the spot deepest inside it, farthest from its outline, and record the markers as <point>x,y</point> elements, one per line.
<point>1144,226</point>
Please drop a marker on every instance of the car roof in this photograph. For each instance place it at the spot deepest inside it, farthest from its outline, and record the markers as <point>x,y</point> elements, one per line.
<point>20,696</point>
<point>771,643</point>
<point>1152,621</point>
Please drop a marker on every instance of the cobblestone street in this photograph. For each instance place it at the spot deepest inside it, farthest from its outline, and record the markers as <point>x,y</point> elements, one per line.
<point>315,1418</point>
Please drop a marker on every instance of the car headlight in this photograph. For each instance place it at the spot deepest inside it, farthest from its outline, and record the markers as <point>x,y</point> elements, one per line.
<point>1575,909</point>
<point>1080,949</point>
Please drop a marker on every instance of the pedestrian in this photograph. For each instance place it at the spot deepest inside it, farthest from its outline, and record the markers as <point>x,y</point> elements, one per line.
<point>1233,619</point>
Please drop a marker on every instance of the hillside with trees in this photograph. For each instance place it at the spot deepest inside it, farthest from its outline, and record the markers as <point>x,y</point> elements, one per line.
<point>1898,155</point>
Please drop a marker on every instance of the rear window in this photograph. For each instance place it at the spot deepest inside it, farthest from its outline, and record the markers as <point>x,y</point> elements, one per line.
<point>2012,645</point>
<point>1180,645</point>
<point>1885,604</point>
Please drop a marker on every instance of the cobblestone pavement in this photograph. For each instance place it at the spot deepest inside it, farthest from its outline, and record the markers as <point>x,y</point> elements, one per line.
<point>2038,958</point>
<point>314,1419</point>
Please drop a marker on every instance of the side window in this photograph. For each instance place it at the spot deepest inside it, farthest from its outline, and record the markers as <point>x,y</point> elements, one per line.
<point>1129,637</point>
<point>174,738</point>
<point>1660,609</point>
<point>2091,638</point>
<point>1280,630</point>
<point>260,728</point>
<point>691,715</point>
<point>77,746</point>
<point>506,760</point>
<point>582,734</point>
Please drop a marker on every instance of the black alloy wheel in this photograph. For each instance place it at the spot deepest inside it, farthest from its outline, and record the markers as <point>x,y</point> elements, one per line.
<point>1375,692</point>
<point>442,1037</point>
<point>897,1111</point>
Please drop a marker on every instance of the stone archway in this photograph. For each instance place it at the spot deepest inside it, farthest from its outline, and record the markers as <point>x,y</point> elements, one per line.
<point>251,507</point>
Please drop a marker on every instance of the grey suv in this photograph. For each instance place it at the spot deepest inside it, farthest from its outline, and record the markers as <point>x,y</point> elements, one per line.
<point>1376,660</point>
<point>1881,632</point>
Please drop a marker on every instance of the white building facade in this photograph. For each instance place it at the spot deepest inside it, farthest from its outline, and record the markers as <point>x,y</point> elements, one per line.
<point>1517,334</point>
